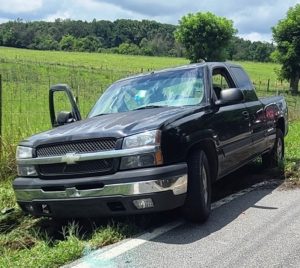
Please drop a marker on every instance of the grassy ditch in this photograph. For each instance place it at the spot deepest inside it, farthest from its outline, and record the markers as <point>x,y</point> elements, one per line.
<point>29,242</point>
<point>292,156</point>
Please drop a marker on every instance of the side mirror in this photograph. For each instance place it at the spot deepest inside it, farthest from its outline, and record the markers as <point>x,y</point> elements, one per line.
<point>63,117</point>
<point>230,96</point>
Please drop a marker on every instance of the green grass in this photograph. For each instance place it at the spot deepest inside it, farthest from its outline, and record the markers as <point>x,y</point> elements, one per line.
<point>24,244</point>
<point>261,71</point>
<point>292,155</point>
<point>28,242</point>
<point>90,60</point>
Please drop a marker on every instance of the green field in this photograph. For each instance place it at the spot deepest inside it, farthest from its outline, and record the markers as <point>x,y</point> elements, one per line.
<point>89,60</point>
<point>26,77</point>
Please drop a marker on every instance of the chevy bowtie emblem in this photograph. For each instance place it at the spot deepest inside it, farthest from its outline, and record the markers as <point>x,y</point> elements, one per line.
<point>72,192</point>
<point>70,158</point>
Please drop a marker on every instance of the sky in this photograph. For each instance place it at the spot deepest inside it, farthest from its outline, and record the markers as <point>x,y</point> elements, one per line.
<point>252,18</point>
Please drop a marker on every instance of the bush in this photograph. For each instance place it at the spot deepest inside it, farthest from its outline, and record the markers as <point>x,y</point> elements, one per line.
<point>129,49</point>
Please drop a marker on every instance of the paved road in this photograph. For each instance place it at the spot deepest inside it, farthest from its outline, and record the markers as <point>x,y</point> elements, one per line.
<point>258,229</point>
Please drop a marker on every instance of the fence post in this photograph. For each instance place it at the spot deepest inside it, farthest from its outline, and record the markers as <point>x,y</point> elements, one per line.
<point>268,86</point>
<point>1,117</point>
<point>1,107</point>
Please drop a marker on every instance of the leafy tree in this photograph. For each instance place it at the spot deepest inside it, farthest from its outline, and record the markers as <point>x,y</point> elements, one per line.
<point>89,43</point>
<point>130,49</point>
<point>239,49</point>
<point>67,43</point>
<point>146,48</point>
<point>261,51</point>
<point>205,36</point>
<point>287,36</point>
<point>45,42</point>
<point>159,45</point>
<point>103,30</point>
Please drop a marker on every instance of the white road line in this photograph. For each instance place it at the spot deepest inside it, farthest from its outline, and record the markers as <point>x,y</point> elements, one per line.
<point>231,197</point>
<point>102,257</point>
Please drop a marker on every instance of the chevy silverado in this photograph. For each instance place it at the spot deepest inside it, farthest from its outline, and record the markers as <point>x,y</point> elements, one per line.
<point>152,142</point>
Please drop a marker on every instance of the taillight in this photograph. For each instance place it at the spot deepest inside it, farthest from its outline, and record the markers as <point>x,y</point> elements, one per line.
<point>271,113</point>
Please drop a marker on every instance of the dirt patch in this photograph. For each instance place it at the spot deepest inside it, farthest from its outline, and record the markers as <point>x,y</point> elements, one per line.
<point>290,183</point>
<point>26,242</point>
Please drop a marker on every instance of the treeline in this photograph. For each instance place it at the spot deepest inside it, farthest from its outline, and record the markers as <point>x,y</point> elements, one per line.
<point>121,36</point>
<point>240,49</point>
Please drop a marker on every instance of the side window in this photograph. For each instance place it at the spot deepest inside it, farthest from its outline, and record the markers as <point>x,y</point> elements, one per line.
<point>242,78</point>
<point>244,83</point>
<point>221,80</point>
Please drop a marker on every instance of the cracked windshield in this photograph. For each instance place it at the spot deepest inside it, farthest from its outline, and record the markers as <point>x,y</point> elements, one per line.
<point>175,88</point>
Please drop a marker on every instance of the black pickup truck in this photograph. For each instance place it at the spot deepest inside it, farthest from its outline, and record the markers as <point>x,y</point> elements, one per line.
<point>152,142</point>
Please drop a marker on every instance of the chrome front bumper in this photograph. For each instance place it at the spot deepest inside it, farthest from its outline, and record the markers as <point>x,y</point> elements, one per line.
<point>107,195</point>
<point>176,184</point>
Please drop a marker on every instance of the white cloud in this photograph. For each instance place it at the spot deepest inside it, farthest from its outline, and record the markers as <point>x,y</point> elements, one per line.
<point>260,18</point>
<point>149,7</point>
<point>89,10</point>
<point>20,6</point>
<point>2,20</point>
<point>61,15</point>
<point>102,11</point>
<point>255,36</point>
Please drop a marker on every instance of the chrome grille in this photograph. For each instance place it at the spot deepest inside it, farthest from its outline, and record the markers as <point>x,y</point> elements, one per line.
<point>87,146</point>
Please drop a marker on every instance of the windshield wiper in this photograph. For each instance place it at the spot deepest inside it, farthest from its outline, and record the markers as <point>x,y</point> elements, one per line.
<point>150,107</point>
<point>100,114</point>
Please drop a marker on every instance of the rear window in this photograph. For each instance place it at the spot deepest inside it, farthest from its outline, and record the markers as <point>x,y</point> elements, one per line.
<point>242,78</point>
<point>244,83</point>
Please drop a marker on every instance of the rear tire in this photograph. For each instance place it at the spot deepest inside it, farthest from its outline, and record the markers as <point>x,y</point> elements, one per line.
<point>197,206</point>
<point>275,157</point>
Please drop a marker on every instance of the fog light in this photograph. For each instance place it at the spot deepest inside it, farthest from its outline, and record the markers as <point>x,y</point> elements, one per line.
<point>143,203</point>
<point>45,209</point>
<point>29,208</point>
<point>26,171</point>
<point>136,161</point>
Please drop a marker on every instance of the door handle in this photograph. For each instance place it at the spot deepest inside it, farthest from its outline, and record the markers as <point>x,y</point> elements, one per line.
<point>246,115</point>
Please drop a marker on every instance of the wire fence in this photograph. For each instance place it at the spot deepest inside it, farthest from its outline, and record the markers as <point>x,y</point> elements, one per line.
<point>24,95</point>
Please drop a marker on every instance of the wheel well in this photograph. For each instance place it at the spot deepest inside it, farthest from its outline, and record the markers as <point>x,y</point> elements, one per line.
<point>281,125</point>
<point>209,148</point>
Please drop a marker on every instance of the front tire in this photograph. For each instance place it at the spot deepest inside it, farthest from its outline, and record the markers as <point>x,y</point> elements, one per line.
<point>275,157</point>
<point>197,206</point>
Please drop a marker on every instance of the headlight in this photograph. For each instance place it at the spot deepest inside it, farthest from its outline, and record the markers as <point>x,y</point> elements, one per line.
<point>142,139</point>
<point>142,160</point>
<point>24,152</point>
<point>24,170</point>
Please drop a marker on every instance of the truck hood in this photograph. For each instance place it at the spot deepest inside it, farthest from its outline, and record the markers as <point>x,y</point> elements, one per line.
<point>116,125</point>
